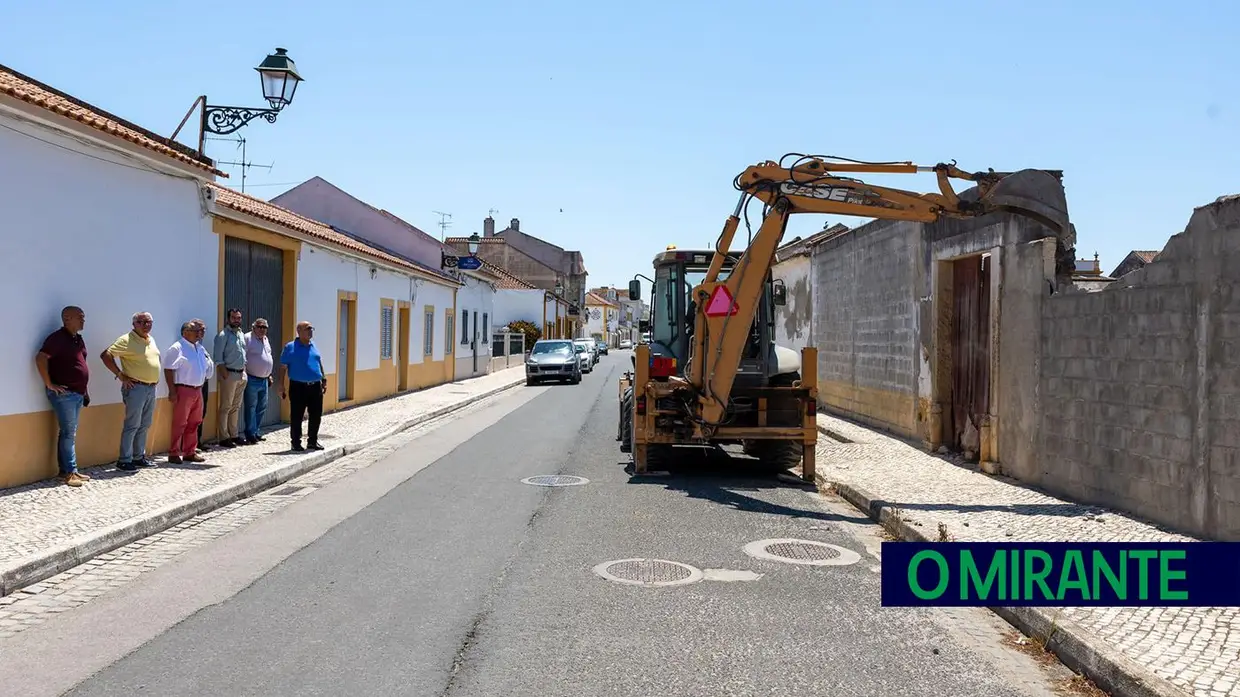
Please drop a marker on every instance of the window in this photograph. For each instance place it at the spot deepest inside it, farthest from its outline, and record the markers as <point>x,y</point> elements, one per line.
<point>449,333</point>
<point>385,333</point>
<point>428,331</point>
<point>465,327</point>
<point>486,329</point>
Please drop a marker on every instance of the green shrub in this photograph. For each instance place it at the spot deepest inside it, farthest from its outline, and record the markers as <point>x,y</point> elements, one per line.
<point>531,331</point>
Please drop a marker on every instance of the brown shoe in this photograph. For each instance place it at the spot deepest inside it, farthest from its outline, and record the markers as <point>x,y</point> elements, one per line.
<point>174,459</point>
<point>83,476</point>
<point>195,458</point>
<point>72,479</point>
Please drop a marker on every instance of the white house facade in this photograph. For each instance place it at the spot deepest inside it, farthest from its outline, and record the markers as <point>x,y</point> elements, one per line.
<point>101,215</point>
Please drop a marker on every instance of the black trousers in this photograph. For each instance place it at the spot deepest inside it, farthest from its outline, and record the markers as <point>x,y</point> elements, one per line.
<point>206,392</point>
<point>303,397</point>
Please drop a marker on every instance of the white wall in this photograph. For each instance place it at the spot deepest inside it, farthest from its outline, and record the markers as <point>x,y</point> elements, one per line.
<point>794,321</point>
<point>103,232</point>
<point>321,274</point>
<point>517,305</point>
<point>476,296</point>
<point>599,326</point>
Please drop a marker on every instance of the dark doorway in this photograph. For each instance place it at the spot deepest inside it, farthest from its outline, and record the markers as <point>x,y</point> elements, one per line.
<point>970,349</point>
<point>254,282</point>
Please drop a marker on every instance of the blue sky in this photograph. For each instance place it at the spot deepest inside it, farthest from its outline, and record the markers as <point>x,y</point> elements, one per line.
<point>617,128</point>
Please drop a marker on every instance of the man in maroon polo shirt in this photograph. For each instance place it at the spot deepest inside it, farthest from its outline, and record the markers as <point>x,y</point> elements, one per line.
<point>61,362</point>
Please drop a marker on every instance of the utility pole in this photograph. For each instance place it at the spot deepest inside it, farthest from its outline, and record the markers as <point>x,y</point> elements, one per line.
<point>245,164</point>
<point>444,224</point>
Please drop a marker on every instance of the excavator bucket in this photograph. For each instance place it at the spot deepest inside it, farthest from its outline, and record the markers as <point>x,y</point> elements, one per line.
<point>1034,193</point>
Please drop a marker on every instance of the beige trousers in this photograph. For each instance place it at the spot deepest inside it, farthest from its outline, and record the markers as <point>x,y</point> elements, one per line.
<point>232,392</point>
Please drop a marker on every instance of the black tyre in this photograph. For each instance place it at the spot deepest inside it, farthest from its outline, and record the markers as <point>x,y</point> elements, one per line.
<point>530,382</point>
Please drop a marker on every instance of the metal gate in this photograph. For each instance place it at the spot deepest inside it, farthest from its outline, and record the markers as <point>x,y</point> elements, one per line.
<point>970,350</point>
<point>254,282</point>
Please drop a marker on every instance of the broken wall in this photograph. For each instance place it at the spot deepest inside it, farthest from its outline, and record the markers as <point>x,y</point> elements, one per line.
<point>794,320</point>
<point>1140,385</point>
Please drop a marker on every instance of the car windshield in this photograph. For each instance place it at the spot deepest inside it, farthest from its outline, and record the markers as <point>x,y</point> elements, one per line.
<point>580,348</point>
<point>550,347</point>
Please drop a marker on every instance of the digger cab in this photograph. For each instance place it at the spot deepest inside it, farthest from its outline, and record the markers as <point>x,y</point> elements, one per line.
<point>672,310</point>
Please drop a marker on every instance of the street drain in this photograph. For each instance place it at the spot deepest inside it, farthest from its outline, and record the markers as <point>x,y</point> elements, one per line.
<point>648,572</point>
<point>555,480</point>
<point>806,552</point>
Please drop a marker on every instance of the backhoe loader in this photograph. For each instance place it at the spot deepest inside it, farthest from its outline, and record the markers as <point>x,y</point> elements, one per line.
<point>712,374</point>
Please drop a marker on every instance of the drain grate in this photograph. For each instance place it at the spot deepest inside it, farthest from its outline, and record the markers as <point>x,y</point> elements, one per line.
<point>808,552</point>
<point>555,480</point>
<point>648,572</point>
<point>799,551</point>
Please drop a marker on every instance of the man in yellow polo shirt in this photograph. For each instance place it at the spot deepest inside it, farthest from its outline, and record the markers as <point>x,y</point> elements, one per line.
<point>138,372</point>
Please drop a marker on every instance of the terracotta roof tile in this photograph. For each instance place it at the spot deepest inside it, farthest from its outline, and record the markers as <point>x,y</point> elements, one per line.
<point>18,86</point>
<point>1146,256</point>
<point>244,203</point>
<point>599,300</point>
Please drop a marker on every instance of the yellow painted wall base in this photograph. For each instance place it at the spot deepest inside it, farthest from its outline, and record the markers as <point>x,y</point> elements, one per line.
<point>28,450</point>
<point>28,441</point>
<point>892,410</point>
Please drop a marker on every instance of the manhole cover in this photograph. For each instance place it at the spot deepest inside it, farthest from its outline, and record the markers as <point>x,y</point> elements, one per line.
<point>648,572</point>
<point>555,480</point>
<point>802,552</point>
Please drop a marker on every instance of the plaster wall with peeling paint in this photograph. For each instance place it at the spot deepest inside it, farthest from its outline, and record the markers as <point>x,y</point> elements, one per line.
<point>794,322</point>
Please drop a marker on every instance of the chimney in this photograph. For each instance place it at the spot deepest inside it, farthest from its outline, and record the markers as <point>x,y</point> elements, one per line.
<point>515,225</point>
<point>488,227</point>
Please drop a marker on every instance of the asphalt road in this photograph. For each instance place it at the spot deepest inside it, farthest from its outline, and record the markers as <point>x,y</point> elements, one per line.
<point>451,577</point>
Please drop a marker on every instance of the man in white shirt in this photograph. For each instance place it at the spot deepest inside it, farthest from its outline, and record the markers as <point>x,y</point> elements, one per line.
<point>258,369</point>
<point>187,367</point>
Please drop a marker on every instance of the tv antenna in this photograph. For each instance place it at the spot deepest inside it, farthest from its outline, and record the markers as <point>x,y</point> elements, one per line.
<point>492,211</point>
<point>444,224</point>
<point>245,164</point>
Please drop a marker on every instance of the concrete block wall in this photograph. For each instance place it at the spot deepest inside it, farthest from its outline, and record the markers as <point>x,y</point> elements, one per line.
<point>1140,385</point>
<point>865,323</point>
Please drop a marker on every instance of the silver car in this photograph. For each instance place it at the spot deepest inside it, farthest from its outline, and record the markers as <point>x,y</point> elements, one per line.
<point>552,359</point>
<point>584,356</point>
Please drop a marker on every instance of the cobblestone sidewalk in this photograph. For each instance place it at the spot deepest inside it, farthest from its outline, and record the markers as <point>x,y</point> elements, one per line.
<point>43,517</point>
<point>1196,649</point>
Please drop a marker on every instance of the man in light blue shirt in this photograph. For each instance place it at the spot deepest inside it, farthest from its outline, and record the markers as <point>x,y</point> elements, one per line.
<point>229,357</point>
<point>304,382</point>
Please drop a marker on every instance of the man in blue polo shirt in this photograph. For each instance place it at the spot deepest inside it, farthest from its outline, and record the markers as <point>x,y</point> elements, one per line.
<point>304,382</point>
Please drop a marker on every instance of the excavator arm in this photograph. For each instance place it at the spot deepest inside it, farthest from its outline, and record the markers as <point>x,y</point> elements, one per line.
<point>816,185</point>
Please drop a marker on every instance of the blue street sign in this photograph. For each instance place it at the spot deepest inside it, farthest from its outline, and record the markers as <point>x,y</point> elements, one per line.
<point>468,263</point>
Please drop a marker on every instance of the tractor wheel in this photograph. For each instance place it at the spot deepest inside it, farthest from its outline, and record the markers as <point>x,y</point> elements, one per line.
<point>776,455</point>
<point>658,456</point>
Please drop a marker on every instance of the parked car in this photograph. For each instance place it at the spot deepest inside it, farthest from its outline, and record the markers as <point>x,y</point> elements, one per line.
<point>625,344</point>
<point>602,346</point>
<point>552,359</point>
<point>590,347</point>
<point>584,358</point>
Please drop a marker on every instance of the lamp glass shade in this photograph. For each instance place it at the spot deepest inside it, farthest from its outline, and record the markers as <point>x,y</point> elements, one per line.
<point>280,79</point>
<point>474,243</point>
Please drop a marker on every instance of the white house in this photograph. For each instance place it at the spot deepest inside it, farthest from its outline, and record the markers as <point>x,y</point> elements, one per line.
<point>102,214</point>
<point>382,323</point>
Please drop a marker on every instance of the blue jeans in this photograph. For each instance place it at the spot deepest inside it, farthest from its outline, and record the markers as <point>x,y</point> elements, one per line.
<point>256,391</point>
<point>68,407</point>
<point>139,410</point>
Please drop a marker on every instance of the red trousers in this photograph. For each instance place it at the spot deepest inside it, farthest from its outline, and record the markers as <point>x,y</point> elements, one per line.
<point>186,415</point>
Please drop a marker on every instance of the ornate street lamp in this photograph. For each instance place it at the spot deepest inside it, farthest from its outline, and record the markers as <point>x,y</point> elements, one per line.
<point>559,288</point>
<point>279,79</point>
<point>474,242</point>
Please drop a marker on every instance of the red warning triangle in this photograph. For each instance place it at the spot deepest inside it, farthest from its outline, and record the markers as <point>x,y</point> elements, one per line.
<point>721,303</point>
